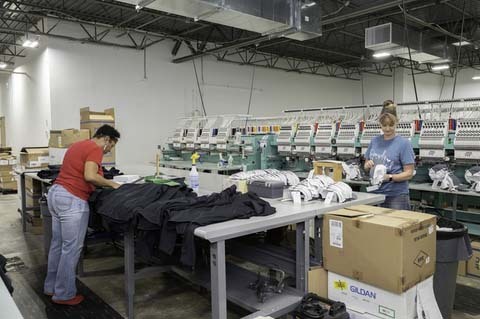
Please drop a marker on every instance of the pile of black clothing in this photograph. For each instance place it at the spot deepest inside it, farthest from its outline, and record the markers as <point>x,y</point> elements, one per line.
<point>111,173</point>
<point>163,215</point>
<point>50,173</point>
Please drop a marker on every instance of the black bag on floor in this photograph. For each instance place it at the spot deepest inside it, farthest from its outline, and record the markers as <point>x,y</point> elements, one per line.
<point>316,307</point>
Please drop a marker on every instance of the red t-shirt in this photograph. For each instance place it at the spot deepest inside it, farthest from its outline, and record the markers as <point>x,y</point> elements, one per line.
<point>72,172</point>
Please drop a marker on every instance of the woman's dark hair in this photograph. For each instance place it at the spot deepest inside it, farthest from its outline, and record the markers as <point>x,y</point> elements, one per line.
<point>107,131</point>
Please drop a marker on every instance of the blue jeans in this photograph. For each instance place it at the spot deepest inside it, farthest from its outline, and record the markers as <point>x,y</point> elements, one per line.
<point>400,202</point>
<point>69,225</point>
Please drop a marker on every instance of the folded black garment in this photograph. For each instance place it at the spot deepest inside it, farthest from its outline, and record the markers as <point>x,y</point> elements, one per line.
<point>111,173</point>
<point>121,204</point>
<point>51,173</point>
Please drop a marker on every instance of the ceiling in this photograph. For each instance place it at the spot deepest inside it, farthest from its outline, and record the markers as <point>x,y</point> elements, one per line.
<point>339,52</point>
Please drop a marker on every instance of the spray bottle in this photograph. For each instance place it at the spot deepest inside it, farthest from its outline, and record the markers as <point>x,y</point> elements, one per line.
<point>193,176</point>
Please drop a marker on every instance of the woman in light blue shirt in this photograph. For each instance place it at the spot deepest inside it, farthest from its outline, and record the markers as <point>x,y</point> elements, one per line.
<point>396,154</point>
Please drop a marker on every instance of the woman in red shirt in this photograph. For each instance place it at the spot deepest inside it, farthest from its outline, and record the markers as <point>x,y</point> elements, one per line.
<point>81,171</point>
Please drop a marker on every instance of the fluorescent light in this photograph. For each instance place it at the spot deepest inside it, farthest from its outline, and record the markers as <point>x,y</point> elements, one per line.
<point>143,3</point>
<point>30,43</point>
<point>476,77</point>
<point>458,44</point>
<point>440,67</point>
<point>308,5</point>
<point>3,65</point>
<point>380,55</point>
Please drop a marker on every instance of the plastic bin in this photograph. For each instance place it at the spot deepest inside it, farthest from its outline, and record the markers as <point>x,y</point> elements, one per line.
<point>452,246</point>
<point>267,189</point>
<point>47,224</point>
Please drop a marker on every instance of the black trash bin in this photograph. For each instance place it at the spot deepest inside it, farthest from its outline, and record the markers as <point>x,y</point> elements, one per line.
<point>47,224</point>
<point>453,245</point>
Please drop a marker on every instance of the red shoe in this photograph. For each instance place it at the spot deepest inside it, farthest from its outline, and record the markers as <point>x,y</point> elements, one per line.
<point>70,302</point>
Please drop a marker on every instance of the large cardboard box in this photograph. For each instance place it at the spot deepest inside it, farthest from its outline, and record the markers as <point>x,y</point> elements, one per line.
<point>392,250</point>
<point>8,173</point>
<point>371,302</point>
<point>8,185</point>
<point>8,179</point>
<point>56,155</point>
<point>473,264</point>
<point>92,121</point>
<point>32,199</point>
<point>32,185</point>
<point>462,268</point>
<point>65,138</point>
<point>34,157</point>
<point>318,281</point>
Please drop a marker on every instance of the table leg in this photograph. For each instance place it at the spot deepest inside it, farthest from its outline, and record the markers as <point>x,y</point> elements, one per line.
<point>454,208</point>
<point>129,271</point>
<point>318,221</point>
<point>302,255</point>
<point>23,202</point>
<point>218,280</point>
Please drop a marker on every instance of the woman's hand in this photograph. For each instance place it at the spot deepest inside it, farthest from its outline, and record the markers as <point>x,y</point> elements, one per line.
<point>368,165</point>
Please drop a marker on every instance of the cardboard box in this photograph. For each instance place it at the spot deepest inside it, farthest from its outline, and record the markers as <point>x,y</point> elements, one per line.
<point>372,302</point>
<point>473,264</point>
<point>9,185</point>
<point>6,168</point>
<point>92,121</point>
<point>7,173</point>
<point>65,138</point>
<point>462,268</point>
<point>34,157</point>
<point>32,199</point>
<point>318,281</point>
<point>8,179</point>
<point>392,250</point>
<point>56,155</point>
<point>33,186</point>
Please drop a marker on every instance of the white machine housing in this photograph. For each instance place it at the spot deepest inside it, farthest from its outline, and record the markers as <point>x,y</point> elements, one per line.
<point>467,140</point>
<point>432,139</point>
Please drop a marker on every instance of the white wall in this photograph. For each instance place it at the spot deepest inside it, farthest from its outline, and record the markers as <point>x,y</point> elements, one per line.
<point>147,109</point>
<point>26,103</point>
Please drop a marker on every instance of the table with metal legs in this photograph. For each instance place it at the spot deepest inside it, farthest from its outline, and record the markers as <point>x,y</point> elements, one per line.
<point>227,282</point>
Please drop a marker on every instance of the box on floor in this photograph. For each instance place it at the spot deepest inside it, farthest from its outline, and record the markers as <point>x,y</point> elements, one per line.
<point>473,264</point>
<point>365,301</point>
<point>388,249</point>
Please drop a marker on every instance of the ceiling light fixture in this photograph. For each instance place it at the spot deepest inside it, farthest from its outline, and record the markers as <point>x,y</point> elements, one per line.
<point>30,43</point>
<point>459,44</point>
<point>379,55</point>
<point>308,5</point>
<point>3,65</point>
<point>440,67</point>
<point>142,4</point>
<point>476,77</point>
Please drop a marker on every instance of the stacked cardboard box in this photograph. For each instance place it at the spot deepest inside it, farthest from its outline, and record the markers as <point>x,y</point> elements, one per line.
<point>34,157</point>
<point>376,255</point>
<point>33,193</point>
<point>60,140</point>
<point>7,177</point>
<point>473,264</point>
<point>92,121</point>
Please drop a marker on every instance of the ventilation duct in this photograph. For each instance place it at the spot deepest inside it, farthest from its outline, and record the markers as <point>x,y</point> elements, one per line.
<point>391,39</point>
<point>297,19</point>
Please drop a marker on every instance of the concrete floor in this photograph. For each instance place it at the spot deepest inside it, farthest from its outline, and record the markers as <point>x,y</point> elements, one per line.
<point>159,297</point>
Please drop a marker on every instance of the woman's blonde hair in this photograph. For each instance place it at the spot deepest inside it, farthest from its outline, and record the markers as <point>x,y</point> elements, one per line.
<point>388,115</point>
